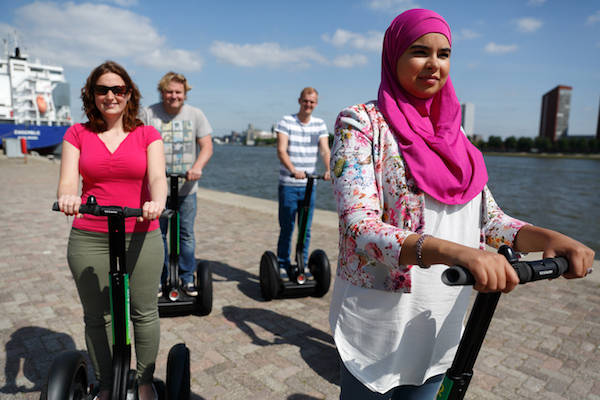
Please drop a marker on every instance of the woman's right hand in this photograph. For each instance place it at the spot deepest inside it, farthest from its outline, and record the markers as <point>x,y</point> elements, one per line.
<point>492,271</point>
<point>69,204</point>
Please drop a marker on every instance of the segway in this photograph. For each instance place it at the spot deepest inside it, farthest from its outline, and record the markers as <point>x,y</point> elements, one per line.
<point>67,378</point>
<point>277,282</point>
<point>174,300</point>
<point>456,381</point>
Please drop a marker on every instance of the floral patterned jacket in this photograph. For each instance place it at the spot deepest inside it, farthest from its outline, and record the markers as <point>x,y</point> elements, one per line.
<point>379,204</point>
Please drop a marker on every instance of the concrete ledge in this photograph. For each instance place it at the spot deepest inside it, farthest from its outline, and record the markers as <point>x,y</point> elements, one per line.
<point>322,217</point>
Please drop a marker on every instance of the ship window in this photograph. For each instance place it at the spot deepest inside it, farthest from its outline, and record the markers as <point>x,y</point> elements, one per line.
<point>19,67</point>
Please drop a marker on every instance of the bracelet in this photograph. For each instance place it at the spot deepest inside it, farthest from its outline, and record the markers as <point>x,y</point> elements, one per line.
<point>419,250</point>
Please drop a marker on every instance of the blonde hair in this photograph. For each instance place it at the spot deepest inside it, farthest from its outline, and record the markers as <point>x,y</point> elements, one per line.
<point>170,77</point>
<point>308,90</point>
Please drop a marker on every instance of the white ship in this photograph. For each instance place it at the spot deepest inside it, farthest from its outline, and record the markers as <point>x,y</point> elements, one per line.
<point>34,101</point>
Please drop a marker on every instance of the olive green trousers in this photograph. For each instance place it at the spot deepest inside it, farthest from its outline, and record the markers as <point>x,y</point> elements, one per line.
<point>88,258</point>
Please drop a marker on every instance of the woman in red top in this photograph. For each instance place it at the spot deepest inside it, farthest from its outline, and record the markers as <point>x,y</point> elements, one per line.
<point>120,162</point>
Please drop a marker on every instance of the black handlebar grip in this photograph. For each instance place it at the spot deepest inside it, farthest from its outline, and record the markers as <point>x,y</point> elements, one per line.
<point>528,271</point>
<point>457,276</point>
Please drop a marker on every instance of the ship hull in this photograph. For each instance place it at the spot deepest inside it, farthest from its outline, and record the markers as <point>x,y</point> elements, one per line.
<point>37,136</point>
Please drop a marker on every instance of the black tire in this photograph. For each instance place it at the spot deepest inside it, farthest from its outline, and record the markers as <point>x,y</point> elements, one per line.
<point>178,372</point>
<point>270,281</point>
<point>161,389</point>
<point>318,265</point>
<point>204,284</point>
<point>67,379</point>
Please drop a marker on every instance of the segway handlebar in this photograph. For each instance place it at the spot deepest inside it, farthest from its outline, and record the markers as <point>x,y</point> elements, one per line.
<point>177,174</point>
<point>528,271</point>
<point>311,176</point>
<point>92,208</point>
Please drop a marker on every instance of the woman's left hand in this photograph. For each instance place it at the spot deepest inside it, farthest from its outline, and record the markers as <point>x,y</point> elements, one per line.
<point>150,211</point>
<point>581,257</point>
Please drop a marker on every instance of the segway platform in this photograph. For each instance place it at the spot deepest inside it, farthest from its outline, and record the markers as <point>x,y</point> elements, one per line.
<point>174,301</point>
<point>276,282</point>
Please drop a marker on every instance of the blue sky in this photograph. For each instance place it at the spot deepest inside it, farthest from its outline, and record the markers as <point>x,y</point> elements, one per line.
<point>247,61</point>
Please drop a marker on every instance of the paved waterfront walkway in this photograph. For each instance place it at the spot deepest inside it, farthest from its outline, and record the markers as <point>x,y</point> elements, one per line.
<point>544,342</point>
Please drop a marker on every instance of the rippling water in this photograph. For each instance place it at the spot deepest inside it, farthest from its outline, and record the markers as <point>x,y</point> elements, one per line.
<point>560,194</point>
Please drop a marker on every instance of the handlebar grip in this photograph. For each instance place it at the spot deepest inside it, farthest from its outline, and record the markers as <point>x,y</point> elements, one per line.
<point>313,176</point>
<point>528,271</point>
<point>457,276</point>
<point>132,212</point>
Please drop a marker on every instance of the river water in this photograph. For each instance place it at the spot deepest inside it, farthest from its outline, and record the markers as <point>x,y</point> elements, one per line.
<point>560,194</point>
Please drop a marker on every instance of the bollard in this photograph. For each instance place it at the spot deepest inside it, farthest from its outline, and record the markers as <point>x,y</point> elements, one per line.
<point>24,149</point>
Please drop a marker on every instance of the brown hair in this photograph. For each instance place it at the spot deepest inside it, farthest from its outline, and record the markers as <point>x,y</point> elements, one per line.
<point>130,115</point>
<point>173,76</point>
<point>308,90</point>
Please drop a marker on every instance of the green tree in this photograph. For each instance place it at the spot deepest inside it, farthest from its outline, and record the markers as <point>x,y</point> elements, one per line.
<point>525,144</point>
<point>510,144</point>
<point>581,146</point>
<point>495,143</point>
<point>542,143</point>
<point>563,145</point>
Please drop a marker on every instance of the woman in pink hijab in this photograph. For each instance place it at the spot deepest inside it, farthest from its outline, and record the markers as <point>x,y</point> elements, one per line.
<point>412,193</point>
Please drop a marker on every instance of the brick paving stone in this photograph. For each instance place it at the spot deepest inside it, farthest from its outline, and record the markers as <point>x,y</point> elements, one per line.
<point>543,343</point>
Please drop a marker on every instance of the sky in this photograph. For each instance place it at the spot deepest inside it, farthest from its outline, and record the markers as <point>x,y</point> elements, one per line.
<point>248,60</point>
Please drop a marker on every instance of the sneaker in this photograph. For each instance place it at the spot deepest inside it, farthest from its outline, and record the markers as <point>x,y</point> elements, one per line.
<point>190,289</point>
<point>160,290</point>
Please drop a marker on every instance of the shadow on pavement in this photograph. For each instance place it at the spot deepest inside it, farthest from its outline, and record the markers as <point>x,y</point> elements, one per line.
<point>27,353</point>
<point>316,347</point>
<point>248,283</point>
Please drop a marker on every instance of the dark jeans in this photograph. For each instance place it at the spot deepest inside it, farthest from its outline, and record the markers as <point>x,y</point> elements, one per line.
<point>290,200</point>
<point>353,389</point>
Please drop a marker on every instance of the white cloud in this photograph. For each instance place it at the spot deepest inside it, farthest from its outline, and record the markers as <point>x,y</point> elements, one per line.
<point>528,25</point>
<point>370,41</point>
<point>535,2</point>
<point>123,3</point>
<point>465,34</point>
<point>494,48</point>
<point>83,35</point>
<point>265,54</point>
<point>592,19</point>
<point>350,60</point>
<point>391,5</point>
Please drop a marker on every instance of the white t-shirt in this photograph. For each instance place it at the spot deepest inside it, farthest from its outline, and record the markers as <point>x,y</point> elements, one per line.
<point>388,339</point>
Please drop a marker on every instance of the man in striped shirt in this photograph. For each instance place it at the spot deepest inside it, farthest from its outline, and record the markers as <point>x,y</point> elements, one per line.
<point>300,137</point>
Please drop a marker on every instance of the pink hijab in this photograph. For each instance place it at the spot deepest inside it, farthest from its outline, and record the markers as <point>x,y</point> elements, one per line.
<point>439,156</point>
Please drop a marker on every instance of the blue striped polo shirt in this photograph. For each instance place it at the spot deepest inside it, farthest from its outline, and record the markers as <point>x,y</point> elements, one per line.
<point>303,146</point>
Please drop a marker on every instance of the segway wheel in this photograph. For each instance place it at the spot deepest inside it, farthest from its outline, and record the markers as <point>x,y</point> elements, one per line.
<point>178,372</point>
<point>67,378</point>
<point>319,267</point>
<point>204,299</point>
<point>270,281</point>
<point>161,389</point>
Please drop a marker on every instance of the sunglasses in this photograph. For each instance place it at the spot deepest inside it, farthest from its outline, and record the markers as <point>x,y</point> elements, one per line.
<point>116,90</point>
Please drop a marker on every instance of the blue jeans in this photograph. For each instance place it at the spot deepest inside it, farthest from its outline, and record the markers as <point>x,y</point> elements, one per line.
<point>290,200</point>
<point>187,242</point>
<point>353,389</point>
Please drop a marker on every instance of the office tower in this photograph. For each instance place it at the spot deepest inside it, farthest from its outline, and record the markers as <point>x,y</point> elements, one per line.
<point>554,120</point>
<point>598,126</point>
<point>468,118</point>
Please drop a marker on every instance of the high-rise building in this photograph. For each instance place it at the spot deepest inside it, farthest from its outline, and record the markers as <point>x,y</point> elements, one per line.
<point>554,120</point>
<point>468,118</point>
<point>598,126</point>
